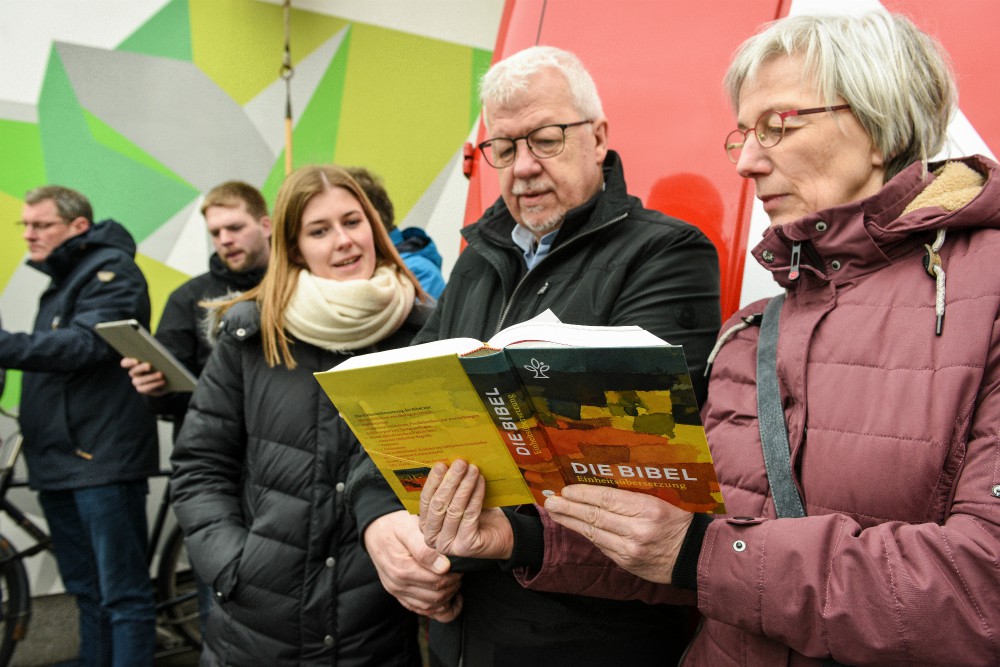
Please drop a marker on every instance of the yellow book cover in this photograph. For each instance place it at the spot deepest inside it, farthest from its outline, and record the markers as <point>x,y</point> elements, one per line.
<point>411,414</point>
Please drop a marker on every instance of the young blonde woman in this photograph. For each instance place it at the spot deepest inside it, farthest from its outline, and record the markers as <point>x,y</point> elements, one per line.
<point>260,465</point>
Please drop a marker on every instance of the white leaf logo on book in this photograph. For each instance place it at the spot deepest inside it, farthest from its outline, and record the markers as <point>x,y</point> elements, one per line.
<point>538,368</point>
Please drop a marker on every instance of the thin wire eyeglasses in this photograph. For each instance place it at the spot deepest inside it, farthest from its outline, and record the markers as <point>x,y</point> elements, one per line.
<point>769,129</point>
<point>41,225</point>
<point>543,142</point>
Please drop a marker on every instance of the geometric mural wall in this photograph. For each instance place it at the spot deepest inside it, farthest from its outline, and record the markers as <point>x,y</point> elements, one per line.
<point>192,97</point>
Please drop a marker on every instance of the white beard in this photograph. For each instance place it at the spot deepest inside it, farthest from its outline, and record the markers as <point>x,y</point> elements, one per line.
<point>542,226</point>
<point>529,219</point>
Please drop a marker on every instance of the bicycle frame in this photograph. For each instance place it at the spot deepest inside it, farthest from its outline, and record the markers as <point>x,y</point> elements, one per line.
<point>16,609</point>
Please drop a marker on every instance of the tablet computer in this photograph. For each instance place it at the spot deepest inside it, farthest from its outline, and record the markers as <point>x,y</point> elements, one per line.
<point>131,339</point>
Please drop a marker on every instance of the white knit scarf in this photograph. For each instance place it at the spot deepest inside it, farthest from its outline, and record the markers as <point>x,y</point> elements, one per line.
<point>349,314</point>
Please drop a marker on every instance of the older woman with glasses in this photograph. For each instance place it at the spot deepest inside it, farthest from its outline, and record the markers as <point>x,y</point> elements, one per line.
<point>870,535</point>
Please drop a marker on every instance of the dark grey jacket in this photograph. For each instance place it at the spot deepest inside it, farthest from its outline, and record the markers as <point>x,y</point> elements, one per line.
<point>183,330</point>
<point>258,481</point>
<point>83,423</point>
<point>612,263</point>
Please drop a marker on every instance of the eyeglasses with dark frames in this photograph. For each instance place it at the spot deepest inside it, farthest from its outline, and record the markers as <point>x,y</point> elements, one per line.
<point>769,129</point>
<point>543,142</point>
<point>41,225</point>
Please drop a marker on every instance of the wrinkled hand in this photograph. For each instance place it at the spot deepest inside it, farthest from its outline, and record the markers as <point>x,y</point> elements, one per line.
<point>452,518</point>
<point>639,532</point>
<point>147,380</point>
<point>415,574</point>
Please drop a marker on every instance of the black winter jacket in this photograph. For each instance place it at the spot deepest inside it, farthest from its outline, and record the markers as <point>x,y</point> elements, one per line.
<point>258,481</point>
<point>612,263</point>
<point>83,422</point>
<point>183,330</point>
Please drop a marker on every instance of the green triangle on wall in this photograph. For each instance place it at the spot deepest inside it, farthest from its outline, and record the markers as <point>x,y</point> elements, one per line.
<point>315,138</point>
<point>23,168</point>
<point>481,61</point>
<point>274,180</point>
<point>106,135</point>
<point>167,33</point>
<point>11,391</point>
<point>133,191</point>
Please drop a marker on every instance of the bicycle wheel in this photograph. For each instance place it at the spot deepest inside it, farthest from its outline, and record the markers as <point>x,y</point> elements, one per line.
<point>177,589</point>
<point>15,601</point>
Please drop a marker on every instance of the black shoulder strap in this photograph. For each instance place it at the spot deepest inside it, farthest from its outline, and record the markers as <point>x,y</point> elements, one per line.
<point>771,416</point>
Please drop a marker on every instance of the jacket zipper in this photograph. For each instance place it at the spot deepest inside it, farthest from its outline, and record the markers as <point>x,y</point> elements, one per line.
<point>510,302</point>
<point>793,269</point>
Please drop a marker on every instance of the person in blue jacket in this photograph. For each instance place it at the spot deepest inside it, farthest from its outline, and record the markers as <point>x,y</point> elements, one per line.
<point>417,249</point>
<point>89,440</point>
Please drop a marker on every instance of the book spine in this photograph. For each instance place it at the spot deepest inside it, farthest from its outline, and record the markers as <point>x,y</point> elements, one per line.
<point>508,406</point>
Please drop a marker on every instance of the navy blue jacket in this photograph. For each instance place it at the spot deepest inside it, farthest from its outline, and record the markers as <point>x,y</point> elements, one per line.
<point>83,422</point>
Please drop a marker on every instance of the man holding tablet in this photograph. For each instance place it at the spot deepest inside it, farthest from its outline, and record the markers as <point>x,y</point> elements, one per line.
<point>89,440</point>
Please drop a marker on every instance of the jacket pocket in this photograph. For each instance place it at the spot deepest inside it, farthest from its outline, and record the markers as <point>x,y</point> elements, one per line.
<point>224,585</point>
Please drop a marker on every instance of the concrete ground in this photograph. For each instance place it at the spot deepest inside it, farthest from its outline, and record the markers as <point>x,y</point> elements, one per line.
<point>52,638</point>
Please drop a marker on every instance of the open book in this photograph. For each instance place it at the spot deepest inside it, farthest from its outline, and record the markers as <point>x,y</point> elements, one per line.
<point>540,405</point>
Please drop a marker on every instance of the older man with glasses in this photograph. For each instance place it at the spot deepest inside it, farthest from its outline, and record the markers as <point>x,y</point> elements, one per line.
<point>89,440</point>
<point>565,235</point>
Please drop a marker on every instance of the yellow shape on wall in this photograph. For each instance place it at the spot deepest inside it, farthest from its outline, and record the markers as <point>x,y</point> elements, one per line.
<point>162,281</point>
<point>405,109</point>
<point>240,44</point>
<point>12,247</point>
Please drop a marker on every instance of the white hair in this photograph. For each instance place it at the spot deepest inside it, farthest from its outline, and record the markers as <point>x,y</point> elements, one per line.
<point>510,77</point>
<point>896,78</point>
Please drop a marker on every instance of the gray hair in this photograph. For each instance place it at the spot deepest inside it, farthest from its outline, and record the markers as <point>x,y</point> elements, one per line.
<point>896,78</point>
<point>509,78</point>
<point>70,203</point>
